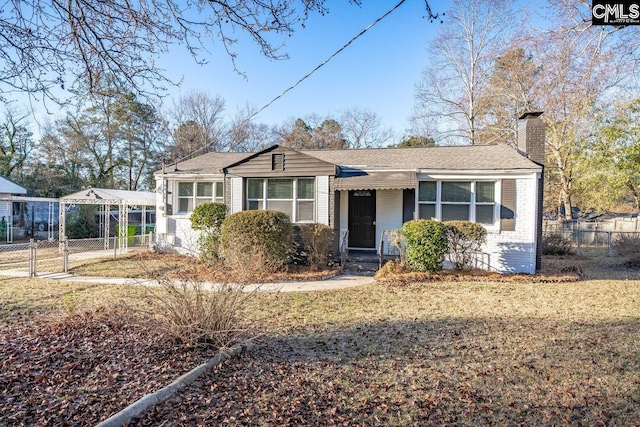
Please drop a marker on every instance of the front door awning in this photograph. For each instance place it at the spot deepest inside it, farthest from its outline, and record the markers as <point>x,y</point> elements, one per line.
<point>362,180</point>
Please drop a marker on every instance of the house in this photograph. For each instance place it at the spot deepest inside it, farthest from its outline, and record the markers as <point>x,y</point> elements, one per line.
<point>8,188</point>
<point>23,217</point>
<point>369,191</point>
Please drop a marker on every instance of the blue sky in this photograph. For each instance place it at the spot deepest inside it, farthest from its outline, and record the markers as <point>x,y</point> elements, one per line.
<point>378,71</point>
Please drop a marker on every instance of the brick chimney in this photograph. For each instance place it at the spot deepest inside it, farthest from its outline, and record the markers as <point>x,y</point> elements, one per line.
<point>531,136</point>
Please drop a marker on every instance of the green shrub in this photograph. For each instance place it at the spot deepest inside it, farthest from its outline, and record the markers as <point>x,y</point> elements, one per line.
<point>426,243</point>
<point>208,218</point>
<point>265,235</point>
<point>317,241</point>
<point>83,223</point>
<point>465,240</point>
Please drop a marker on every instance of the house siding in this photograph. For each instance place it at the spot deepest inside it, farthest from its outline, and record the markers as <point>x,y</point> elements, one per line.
<point>237,195</point>
<point>388,213</point>
<point>322,200</point>
<point>161,217</point>
<point>296,164</point>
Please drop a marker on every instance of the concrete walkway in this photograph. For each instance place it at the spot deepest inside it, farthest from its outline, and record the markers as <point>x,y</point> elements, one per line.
<point>337,282</point>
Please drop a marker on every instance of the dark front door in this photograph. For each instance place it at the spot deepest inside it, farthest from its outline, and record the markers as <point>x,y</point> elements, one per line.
<point>362,219</point>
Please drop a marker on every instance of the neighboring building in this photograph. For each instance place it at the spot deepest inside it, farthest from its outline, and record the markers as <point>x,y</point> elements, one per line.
<point>371,190</point>
<point>22,217</point>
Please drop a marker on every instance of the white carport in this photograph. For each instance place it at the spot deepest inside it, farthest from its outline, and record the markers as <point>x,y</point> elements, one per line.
<point>106,199</point>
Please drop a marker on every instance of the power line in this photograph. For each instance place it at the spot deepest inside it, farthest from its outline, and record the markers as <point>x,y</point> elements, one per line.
<point>430,16</point>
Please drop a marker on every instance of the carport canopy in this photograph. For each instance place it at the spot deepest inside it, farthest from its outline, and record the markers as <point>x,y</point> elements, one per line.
<point>106,198</point>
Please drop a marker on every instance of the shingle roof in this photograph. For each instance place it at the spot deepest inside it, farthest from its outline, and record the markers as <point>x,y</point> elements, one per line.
<point>477,157</point>
<point>208,163</point>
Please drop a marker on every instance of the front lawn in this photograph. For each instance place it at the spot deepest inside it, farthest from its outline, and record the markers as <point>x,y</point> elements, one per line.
<point>482,352</point>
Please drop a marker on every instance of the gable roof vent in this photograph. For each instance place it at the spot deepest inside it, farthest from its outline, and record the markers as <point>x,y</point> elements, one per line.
<point>277,162</point>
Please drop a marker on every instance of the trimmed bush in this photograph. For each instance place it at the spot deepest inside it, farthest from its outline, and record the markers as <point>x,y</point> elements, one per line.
<point>426,243</point>
<point>208,218</point>
<point>556,244</point>
<point>266,235</point>
<point>465,240</point>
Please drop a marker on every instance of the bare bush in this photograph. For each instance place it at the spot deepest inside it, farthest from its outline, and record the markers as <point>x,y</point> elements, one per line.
<point>246,264</point>
<point>465,241</point>
<point>628,245</point>
<point>197,314</point>
<point>556,244</point>
<point>396,239</point>
<point>318,240</point>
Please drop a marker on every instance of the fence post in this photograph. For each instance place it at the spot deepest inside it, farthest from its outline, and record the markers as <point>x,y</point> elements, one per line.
<point>609,252</point>
<point>578,238</point>
<point>115,247</point>
<point>32,258</point>
<point>65,254</point>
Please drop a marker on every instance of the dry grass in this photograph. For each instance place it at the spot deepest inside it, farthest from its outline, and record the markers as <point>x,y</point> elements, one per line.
<point>26,300</point>
<point>144,264</point>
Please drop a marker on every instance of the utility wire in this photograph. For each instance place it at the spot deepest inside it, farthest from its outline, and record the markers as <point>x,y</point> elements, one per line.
<point>430,16</point>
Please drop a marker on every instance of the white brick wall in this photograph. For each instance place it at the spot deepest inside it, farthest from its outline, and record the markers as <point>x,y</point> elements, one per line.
<point>514,251</point>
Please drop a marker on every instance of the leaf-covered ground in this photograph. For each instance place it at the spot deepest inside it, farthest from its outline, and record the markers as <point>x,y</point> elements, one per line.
<point>436,354</point>
<point>83,368</point>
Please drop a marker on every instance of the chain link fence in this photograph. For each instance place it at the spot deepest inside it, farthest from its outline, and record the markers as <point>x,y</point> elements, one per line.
<point>592,242</point>
<point>38,258</point>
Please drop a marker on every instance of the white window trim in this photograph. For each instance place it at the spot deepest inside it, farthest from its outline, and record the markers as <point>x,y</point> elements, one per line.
<point>472,203</point>
<point>294,201</point>
<point>195,197</point>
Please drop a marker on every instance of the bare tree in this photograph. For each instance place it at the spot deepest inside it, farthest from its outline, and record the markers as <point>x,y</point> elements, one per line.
<point>580,69</point>
<point>460,64</point>
<point>363,128</point>
<point>198,124</point>
<point>45,46</point>
<point>245,135</point>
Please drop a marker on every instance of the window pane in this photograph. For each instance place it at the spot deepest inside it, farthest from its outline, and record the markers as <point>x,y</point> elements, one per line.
<point>201,200</point>
<point>305,211</point>
<point>254,205</point>
<point>456,192</point>
<point>485,192</point>
<point>427,191</point>
<point>204,189</point>
<point>219,190</point>
<point>254,189</point>
<point>185,189</point>
<point>306,188</point>
<point>185,204</point>
<point>453,212</point>
<point>280,189</point>
<point>484,214</point>
<point>426,211</point>
<point>282,206</point>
